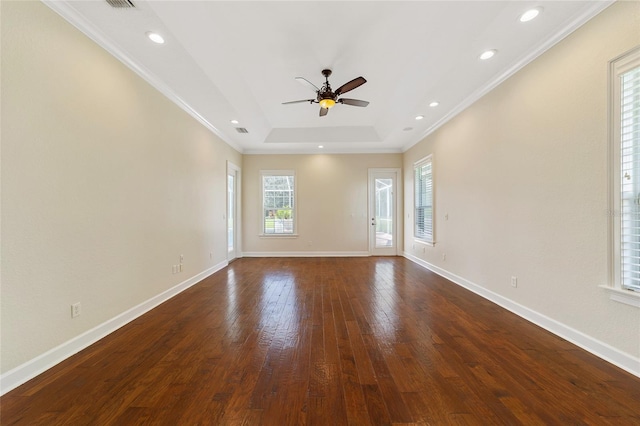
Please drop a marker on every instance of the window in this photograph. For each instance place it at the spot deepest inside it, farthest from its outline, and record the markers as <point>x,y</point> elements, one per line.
<point>423,200</point>
<point>278,202</point>
<point>625,85</point>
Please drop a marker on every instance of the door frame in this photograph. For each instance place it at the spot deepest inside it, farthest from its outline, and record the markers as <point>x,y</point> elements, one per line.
<point>397,222</point>
<point>235,171</point>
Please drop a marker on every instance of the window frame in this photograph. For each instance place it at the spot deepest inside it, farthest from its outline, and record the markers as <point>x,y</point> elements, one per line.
<point>617,67</point>
<point>427,239</point>
<point>294,208</point>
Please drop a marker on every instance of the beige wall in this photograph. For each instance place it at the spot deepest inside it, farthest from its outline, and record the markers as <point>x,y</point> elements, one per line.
<point>332,201</point>
<point>522,175</point>
<point>105,183</point>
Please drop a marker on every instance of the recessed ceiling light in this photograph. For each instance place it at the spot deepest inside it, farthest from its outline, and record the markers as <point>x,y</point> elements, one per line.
<point>406,129</point>
<point>155,37</point>
<point>234,122</point>
<point>488,54</point>
<point>419,117</point>
<point>530,14</point>
<point>434,104</point>
<point>320,146</point>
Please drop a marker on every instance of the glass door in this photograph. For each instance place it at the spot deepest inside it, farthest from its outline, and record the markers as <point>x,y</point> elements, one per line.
<point>382,213</point>
<point>233,211</point>
<point>231,238</point>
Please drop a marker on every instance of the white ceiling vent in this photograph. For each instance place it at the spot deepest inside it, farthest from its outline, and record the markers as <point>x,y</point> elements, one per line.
<point>241,130</point>
<point>121,3</point>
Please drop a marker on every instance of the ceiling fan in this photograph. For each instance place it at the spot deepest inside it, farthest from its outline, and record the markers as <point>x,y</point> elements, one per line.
<point>328,98</point>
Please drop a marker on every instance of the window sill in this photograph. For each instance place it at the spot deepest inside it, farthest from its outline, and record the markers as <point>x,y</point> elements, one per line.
<point>426,243</point>
<point>278,235</point>
<point>628,297</point>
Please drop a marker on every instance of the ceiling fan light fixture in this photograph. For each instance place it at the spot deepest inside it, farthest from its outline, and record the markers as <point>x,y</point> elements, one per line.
<point>327,103</point>
<point>328,98</point>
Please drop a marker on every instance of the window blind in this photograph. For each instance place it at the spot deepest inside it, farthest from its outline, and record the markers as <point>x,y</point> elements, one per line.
<point>423,200</point>
<point>630,179</point>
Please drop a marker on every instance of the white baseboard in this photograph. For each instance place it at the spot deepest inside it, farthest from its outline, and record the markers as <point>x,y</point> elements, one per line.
<point>30,369</point>
<point>588,343</point>
<point>21,374</point>
<point>305,253</point>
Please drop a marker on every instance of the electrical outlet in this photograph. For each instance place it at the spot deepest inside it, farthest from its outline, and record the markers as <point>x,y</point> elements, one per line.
<point>75,310</point>
<point>210,255</point>
<point>514,281</point>
<point>180,266</point>
<point>444,256</point>
<point>181,258</point>
<point>174,269</point>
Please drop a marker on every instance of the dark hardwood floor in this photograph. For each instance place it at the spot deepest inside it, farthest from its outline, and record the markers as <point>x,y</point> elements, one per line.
<point>328,341</point>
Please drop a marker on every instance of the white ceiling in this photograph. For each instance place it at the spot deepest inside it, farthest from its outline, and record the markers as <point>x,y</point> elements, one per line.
<point>226,60</point>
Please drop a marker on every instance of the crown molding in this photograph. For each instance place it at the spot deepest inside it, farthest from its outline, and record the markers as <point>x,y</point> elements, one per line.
<point>70,15</point>
<point>595,8</point>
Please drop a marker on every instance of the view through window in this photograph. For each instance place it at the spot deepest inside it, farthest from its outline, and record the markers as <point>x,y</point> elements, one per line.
<point>278,202</point>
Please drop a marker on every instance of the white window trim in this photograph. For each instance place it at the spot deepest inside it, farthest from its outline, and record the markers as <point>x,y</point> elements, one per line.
<point>628,297</point>
<point>263,173</point>
<point>614,288</point>
<point>420,162</point>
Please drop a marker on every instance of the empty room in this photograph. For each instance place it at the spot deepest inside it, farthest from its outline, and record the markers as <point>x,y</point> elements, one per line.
<point>319,212</point>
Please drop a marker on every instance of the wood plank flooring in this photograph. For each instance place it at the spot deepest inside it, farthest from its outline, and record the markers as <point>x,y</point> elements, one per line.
<point>328,341</point>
